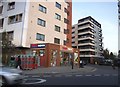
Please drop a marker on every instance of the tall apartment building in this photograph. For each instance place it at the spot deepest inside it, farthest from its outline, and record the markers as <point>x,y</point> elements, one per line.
<point>87,37</point>
<point>39,26</point>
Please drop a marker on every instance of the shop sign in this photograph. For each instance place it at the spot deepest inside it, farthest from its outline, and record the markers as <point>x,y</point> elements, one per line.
<point>37,45</point>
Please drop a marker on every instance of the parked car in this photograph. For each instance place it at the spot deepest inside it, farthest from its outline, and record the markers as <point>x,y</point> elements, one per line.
<point>10,76</point>
<point>105,62</point>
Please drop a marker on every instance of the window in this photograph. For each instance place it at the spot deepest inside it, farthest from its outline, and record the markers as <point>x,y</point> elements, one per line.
<point>66,11</point>
<point>42,9</point>
<point>1,23</point>
<point>66,31</point>
<point>11,5</point>
<point>10,35</point>
<point>15,19</point>
<point>66,21</point>
<point>65,42</point>
<point>57,28</point>
<point>58,5</point>
<point>57,16</point>
<point>56,40</point>
<point>40,37</point>
<point>1,9</point>
<point>41,22</point>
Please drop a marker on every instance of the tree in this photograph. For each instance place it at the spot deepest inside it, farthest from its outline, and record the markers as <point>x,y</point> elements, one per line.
<point>8,48</point>
<point>112,56</point>
<point>106,53</point>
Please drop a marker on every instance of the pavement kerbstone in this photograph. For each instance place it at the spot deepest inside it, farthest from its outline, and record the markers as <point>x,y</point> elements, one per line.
<point>59,70</point>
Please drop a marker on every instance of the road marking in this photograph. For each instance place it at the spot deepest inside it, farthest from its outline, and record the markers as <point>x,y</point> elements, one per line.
<point>68,75</point>
<point>35,76</point>
<point>97,75</point>
<point>94,70</point>
<point>47,76</point>
<point>88,75</point>
<point>78,75</point>
<point>58,75</point>
<point>37,82</point>
<point>106,74</point>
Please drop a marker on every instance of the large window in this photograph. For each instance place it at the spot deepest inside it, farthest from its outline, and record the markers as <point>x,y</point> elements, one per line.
<point>41,22</point>
<point>66,21</point>
<point>57,16</point>
<point>10,35</point>
<point>15,19</point>
<point>40,37</point>
<point>1,23</point>
<point>66,31</point>
<point>42,9</point>
<point>1,9</point>
<point>57,28</point>
<point>58,5</point>
<point>66,11</point>
<point>56,40</point>
<point>11,5</point>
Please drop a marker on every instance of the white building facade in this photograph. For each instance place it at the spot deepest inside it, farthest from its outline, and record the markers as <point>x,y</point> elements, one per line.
<point>29,22</point>
<point>87,36</point>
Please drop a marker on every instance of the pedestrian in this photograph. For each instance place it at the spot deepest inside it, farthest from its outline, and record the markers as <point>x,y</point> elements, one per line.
<point>113,64</point>
<point>81,63</point>
<point>72,63</point>
<point>18,62</point>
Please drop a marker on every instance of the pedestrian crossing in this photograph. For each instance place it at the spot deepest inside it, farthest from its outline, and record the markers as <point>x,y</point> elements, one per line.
<point>71,75</point>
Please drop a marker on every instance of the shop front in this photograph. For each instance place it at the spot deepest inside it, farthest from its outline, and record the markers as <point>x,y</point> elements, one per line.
<point>67,54</point>
<point>48,54</point>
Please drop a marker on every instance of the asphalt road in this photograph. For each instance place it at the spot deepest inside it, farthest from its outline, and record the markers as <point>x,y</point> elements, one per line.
<point>102,76</point>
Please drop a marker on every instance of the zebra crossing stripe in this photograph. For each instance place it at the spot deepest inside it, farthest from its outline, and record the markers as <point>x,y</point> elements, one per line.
<point>78,75</point>
<point>88,75</point>
<point>98,75</point>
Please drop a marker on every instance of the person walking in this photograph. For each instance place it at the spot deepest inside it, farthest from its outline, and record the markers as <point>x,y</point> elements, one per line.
<point>113,64</point>
<point>72,64</point>
<point>18,62</point>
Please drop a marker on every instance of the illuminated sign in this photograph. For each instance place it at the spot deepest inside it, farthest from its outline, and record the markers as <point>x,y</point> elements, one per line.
<point>37,45</point>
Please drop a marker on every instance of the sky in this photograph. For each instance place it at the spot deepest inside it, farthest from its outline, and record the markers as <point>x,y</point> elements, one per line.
<point>106,13</point>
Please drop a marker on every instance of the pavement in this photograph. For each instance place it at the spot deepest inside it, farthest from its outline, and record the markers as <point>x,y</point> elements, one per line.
<point>60,70</point>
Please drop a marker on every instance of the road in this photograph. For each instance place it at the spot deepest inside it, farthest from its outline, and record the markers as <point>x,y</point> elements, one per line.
<point>102,76</point>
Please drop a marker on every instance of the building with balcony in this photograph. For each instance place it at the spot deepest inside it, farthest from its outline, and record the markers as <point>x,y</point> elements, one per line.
<point>38,26</point>
<point>87,37</point>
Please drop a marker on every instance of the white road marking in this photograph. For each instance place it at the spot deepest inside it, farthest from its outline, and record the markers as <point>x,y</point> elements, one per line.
<point>93,70</point>
<point>78,75</point>
<point>58,75</point>
<point>88,75</point>
<point>35,76</point>
<point>38,82</point>
<point>47,76</point>
<point>97,75</point>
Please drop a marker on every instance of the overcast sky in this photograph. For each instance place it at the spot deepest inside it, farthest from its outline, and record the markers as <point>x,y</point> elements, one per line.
<point>106,13</point>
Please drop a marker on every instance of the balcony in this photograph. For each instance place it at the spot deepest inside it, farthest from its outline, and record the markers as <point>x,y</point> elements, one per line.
<point>84,44</point>
<point>89,49</point>
<point>90,55</point>
<point>86,37</point>
<point>87,32</point>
